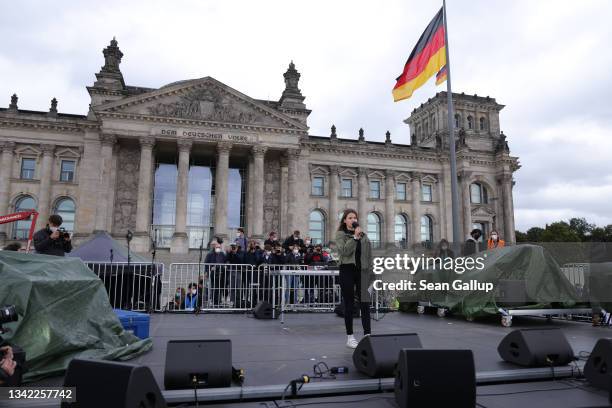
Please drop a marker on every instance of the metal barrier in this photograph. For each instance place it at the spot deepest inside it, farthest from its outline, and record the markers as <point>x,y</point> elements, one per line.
<point>227,287</point>
<point>136,286</point>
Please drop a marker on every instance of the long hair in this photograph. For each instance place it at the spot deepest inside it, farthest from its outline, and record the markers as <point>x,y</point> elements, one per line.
<point>342,226</point>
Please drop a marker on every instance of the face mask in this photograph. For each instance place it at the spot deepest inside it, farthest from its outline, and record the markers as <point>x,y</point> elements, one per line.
<point>296,251</point>
<point>444,247</point>
<point>268,252</point>
<point>217,250</point>
<point>296,237</point>
<point>240,235</point>
<point>194,291</point>
<point>494,237</point>
<point>307,242</point>
<point>53,229</point>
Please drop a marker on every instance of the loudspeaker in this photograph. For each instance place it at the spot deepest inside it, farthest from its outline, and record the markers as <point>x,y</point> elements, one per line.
<point>598,368</point>
<point>536,348</point>
<point>208,362</point>
<point>376,355</point>
<point>435,378</point>
<point>263,310</point>
<point>103,384</point>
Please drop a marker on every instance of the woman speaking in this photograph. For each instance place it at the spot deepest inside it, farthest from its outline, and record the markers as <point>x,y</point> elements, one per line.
<point>355,257</point>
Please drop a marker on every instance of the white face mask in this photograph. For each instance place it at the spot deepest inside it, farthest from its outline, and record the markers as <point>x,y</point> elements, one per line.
<point>307,242</point>
<point>494,237</point>
<point>296,251</point>
<point>194,291</point>
<point>217,250</point>
<point>53,229</point>
<point>296,237</point>
<point>268,252</point>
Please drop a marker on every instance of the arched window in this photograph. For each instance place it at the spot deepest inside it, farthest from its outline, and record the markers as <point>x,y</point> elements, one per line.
<point>478,194</point>
<point>65,208</point>
<point>482,124</point>
<point>426,229</point>
<point>21,229</point>
<point>374,229</point>
<point>470,121</point>
<point>316,227</point>
<point>401,231</point>
<point>457,121</point>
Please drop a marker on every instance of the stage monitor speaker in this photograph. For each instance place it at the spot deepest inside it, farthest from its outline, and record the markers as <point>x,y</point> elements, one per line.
<point>263,310</point>
<point>103,384</point>
<point>536,348</point>
<point>435,378</point>
<point>598,368</point>
<point>208,363</point>
<point>376,355</point>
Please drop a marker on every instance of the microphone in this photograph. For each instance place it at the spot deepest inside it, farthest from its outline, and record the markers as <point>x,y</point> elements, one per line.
<point>129,236</point>
<point>355,225</point>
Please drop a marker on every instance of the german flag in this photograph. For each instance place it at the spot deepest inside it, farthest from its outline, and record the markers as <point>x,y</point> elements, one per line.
<point>441,75</point>
<point>427,57</point>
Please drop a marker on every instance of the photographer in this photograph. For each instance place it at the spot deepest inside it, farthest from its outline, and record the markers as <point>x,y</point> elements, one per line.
<point>53,240</point>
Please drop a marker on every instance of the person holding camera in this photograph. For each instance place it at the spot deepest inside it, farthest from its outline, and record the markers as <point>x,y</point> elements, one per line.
<point>53,240</point>
<point>356,275</point>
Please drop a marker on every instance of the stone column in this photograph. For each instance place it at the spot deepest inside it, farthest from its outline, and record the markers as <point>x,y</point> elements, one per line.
<point>416,208</point>
<point>362,203</point>
<point>258,192</point>
<point>180,242</point>
<point>249,195</point>
<point>293,156</point>
<point>221,189</point>
<point>6,166</point>
<point>390,209</point>
<point>107,142</point>
<point>143,205</point>
<point>284,187</point>
<point>509,232</point>
<point>467,204</point>
<point>332,222</point>
<point>46,173</point>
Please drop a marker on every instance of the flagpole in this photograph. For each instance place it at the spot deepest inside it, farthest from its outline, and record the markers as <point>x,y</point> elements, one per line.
<point>457,236</point>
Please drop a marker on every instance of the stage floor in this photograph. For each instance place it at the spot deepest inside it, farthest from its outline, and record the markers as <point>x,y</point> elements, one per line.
<point>273,353</point>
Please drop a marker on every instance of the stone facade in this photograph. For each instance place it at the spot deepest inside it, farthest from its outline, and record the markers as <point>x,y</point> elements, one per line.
<point>291,173</point>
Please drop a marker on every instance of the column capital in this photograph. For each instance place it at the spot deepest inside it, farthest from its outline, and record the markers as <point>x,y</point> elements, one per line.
<point>224,147</point>
<point>284,161</point>
<point>464,175</point>
<point>390,174</point>
<point>416,176</point>
<point>504,178</point>
<point>108,139</point>
<point>8,146</point>
<point>184,144</point>
<point>47,149</point>
<point>363,171</point>
<point>334,170</point>
<point>147,141</point>
<point>293,154</point>
<point>259,151</point>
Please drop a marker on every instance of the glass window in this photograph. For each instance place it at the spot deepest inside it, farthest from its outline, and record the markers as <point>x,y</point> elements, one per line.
<point>28,167</point>
<point>236,198</point>
<point>401,231</point>
<point>482,123</point>
<point>199,205</point>
<point>164,195</point>
<point>67,173</point>
<point>21,228</point>
<point>457,121</point>
<point>316,227</point>
<point>426,192</point>
<point>374,229</point>
<point>318,186</point>
<point>65,208</point>
<point>426,229</point>
<point>478,194</point>
<point>374,189</point>
<point>347,187</point>
<point>400,191</point>
<point>470,121</point>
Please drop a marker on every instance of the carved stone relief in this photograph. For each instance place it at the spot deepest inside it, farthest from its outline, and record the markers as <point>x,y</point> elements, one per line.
<point>126,190</point>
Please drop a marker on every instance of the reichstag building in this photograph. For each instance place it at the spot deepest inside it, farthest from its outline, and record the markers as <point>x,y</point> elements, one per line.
<point>195,158</point>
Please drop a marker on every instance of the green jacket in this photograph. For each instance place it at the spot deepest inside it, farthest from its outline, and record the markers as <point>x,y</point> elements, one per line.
<point>346,245</point>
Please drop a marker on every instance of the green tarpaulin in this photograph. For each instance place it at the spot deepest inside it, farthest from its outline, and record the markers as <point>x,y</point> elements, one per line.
<point>545,285</point>
<point>64,313</point>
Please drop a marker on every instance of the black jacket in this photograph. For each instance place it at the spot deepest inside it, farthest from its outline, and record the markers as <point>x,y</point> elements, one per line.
<point>292,241</point>
<point>47,246</point>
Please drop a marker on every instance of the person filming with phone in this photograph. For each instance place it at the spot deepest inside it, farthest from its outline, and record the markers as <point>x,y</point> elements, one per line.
<point>53,240</point>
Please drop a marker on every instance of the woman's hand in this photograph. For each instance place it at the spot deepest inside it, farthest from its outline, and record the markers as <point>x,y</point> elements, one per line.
<point>358,233</point>
<point>7,364</point>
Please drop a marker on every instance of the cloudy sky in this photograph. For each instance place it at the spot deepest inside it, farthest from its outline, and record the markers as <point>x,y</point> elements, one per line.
<point>547,61</point>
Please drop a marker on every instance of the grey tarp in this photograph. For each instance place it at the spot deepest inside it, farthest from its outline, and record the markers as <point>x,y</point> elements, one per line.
<point>98,249</point>
<point>545,284</point>
<point>64,313</point>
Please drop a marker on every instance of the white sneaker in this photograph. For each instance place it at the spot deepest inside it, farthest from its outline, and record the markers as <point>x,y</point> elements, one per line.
<point>351,342</point>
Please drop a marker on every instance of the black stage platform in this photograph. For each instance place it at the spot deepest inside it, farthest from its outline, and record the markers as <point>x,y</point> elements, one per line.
<point>273,353</point>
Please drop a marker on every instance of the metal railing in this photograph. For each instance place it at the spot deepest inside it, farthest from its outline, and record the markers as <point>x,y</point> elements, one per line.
<point>135,287</point>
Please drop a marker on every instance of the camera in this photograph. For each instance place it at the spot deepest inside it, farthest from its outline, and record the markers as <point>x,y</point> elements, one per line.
<point>63,233</point>
<point>8,314</point>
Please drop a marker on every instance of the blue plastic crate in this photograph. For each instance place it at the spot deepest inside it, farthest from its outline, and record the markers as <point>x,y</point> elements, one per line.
<point>137,323</point>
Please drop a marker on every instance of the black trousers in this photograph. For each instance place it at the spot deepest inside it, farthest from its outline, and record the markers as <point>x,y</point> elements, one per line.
<point>350,284</point>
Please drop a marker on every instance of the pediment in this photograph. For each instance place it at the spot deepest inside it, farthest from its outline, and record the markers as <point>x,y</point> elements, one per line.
<point>67,152</point>
<point>318,170</point>
<point>28,151</point>
<point>402,177</point>
<point>376,175</point>
<point>348,172</point>
<point>429,179</point>
<point>482,211</point>
<point>204,99</point>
